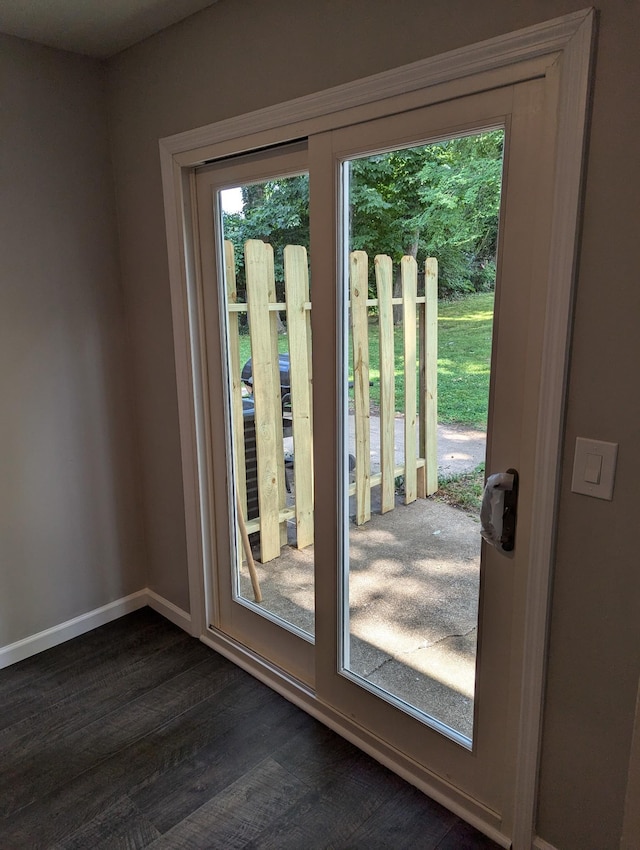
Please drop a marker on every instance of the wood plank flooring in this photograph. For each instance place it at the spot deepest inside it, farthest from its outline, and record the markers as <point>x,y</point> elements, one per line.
<point>138,736</point>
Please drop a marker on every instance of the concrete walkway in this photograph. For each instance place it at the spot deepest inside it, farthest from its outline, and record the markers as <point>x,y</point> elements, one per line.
<point>460,449</point>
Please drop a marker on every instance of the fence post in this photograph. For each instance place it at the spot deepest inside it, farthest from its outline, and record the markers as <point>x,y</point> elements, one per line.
<point>409,270</point>
<point>237,418</point>
<point>264,397</point>
<point>428,477</point>
<point>358,262</point>
<point>296,275</point>
<point>275,359</point>
<point>384,283</point>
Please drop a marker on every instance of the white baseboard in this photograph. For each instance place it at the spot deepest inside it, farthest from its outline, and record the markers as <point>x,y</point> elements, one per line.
<point>55,635</point>
<point>48,638</point>
<point>541,844</point>
<point>169,611</point>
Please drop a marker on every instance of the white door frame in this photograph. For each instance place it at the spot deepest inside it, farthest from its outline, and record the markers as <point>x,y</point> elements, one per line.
<point>562,48</point>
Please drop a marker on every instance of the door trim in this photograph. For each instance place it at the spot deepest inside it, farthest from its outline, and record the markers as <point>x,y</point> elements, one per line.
<point>631,822</point>
<point>561,47</point>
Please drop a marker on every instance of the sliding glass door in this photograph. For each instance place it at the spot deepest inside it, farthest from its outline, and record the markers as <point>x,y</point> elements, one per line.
<point>339,381</point>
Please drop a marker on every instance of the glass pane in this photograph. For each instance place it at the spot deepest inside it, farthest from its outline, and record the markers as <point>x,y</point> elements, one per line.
<point>265,238</point>
<point>421,239</point>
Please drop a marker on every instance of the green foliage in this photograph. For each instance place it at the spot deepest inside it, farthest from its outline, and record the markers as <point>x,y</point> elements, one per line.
<point>276,211</point>
<point>440,200</point>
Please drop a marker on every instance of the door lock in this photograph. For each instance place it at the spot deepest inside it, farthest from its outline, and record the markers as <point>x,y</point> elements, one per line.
<point>499,510</point>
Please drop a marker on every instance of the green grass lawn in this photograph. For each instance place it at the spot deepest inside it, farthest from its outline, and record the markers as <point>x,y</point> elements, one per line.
<point>464,359</point>
<point>463,490</point>
<point>464,355</point>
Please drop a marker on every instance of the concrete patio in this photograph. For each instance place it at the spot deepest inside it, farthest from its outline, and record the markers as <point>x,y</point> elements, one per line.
<point>413,593</point>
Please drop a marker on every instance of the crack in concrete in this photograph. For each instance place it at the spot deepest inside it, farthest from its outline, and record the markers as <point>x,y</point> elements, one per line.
<point>428,645</point>
<point>425,645</point>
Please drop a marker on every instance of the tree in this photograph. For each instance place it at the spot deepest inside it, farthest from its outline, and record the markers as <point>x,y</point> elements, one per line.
<point>276,211</point>
<point>439,200</point>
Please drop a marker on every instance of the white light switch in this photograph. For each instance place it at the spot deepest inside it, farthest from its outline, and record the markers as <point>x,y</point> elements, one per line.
<point>594,468</point>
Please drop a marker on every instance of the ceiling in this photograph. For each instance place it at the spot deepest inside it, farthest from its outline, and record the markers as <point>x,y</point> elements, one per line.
<point>97,28</point>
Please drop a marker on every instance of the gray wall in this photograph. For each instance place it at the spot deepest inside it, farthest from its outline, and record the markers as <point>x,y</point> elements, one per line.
<point>70,533</point>
<point>240,56</point>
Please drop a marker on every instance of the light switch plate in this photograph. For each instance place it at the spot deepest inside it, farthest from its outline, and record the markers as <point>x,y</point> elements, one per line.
<point>584,463</point>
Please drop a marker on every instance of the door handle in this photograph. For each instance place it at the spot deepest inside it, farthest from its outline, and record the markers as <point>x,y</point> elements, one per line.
<point>499,510</point>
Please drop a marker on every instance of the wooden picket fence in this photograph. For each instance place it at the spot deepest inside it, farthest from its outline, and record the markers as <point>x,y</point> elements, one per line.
<point>419,319</point>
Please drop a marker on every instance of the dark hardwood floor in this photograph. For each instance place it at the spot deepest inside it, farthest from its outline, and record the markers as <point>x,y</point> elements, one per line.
<point>138,736</point>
